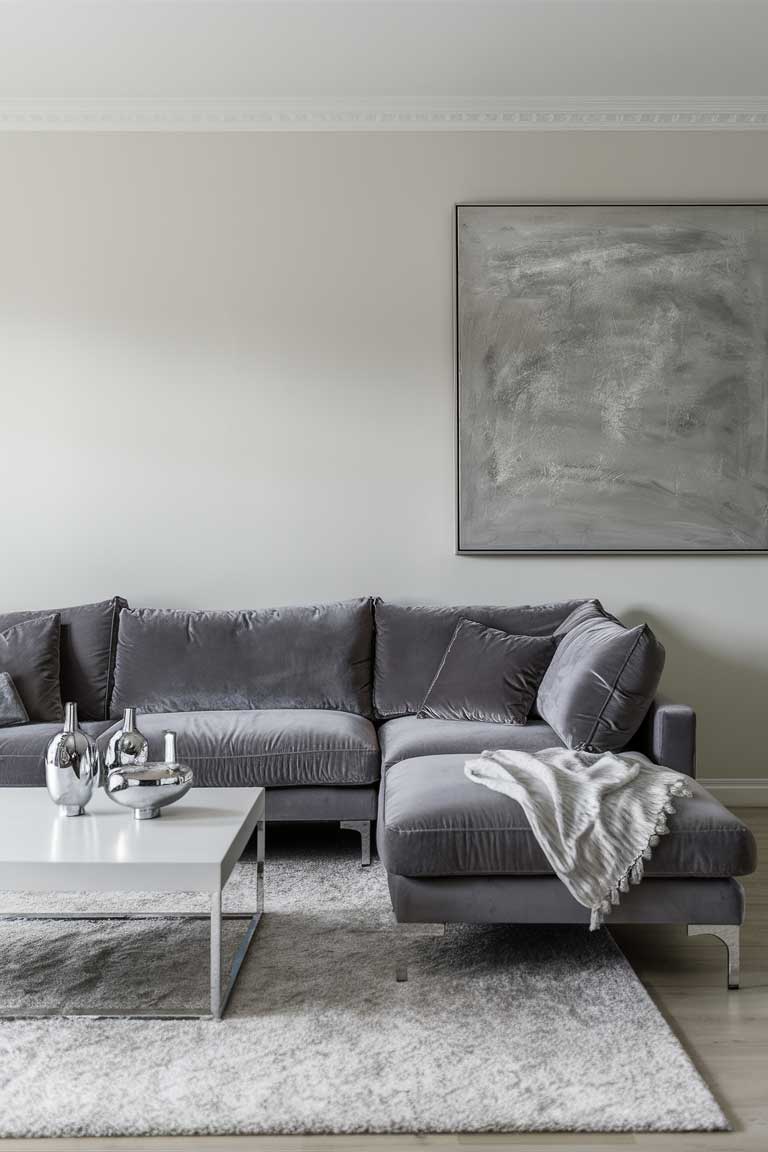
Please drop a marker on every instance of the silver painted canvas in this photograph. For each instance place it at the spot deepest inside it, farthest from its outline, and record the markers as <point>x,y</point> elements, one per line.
<point>612,378</point>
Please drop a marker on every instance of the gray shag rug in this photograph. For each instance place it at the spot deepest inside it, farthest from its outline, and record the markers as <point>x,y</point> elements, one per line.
<point>499,1029</point>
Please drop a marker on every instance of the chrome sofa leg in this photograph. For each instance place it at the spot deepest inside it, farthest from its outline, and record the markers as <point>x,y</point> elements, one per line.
<point>404,934</point>
<point>364,828</point>
<point>260,846</point>
<point>730,935</point>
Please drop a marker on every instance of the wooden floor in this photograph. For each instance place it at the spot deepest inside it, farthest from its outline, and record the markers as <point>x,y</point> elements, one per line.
<point>725,1033</point>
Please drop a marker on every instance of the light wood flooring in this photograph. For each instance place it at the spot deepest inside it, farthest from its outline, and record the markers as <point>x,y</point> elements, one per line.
<point>725,1033</point>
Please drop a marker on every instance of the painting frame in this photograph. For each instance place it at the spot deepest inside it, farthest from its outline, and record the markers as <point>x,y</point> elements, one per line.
<point>462,549</point>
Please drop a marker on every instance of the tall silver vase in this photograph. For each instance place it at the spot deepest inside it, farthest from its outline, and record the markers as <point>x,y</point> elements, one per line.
<point>126,746</point>
<point>72,766</point>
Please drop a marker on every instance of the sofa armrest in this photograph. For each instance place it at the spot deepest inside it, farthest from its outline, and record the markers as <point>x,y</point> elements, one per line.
<point>668,736</point>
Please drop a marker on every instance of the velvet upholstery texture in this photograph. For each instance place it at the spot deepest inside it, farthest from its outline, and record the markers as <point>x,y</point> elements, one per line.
<point>487,675</point>
<point>316,803</point>
<point>433,821</point>
<point>408,737</point>
<point>411,641</point>
<point>271,748</point>
<point>22,750</point>
<point>29,653</point>
<point>87,651</point>
<point>308,657</point>
<point>667,736</point>
<point>601,682</point>
<point>546,900</point>
<point>12,710</point>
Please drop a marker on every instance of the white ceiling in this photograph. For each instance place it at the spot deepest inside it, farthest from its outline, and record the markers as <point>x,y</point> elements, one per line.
<point>375,64</point>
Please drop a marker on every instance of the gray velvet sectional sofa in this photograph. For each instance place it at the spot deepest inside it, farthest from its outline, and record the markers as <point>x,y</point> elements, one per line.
<point>321,705</point>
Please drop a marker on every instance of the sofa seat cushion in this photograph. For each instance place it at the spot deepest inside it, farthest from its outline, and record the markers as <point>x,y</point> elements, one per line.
<point>22,750</point>
<point>433,821</point>
<point>268,748</point>
<point>410,736</point>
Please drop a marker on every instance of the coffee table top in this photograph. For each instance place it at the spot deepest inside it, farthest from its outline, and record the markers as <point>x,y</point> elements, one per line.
<point>193,846</point>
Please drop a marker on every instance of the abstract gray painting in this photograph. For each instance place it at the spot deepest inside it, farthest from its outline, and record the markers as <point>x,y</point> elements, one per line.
<point>612,378</point>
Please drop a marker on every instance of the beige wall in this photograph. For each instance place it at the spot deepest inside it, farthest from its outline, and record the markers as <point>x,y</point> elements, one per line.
<point>226,374</point>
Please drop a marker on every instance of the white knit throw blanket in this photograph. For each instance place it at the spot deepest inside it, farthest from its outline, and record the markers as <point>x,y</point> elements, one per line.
<point>596,815</point>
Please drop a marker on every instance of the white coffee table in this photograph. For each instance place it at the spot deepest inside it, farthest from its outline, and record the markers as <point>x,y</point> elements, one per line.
<point>193,847</point>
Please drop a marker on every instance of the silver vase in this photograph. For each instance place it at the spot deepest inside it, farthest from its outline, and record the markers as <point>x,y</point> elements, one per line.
<point>72,767</point>
<point>148,788</point>
<point>127,745</point>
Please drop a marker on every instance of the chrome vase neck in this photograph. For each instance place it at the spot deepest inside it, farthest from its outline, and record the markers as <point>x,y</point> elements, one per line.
<point>70,717</point>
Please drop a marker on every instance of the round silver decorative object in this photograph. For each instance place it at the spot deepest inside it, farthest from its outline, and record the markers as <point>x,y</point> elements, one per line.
<point>72,766</point>
<point>150,787</point>
<point>127,745</point>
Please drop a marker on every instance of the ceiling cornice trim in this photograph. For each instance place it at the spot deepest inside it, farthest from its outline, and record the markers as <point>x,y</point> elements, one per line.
<point>256,115</point>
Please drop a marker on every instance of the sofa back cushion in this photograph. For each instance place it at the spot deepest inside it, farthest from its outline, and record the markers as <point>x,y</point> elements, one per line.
<point>411,641</point>
<point>88,635</point>
<point>602,680</point>
<point>29,653</point>
<point>170,660</point>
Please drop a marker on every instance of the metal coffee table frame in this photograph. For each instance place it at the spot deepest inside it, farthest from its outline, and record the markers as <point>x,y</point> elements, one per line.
<point>219,999</point>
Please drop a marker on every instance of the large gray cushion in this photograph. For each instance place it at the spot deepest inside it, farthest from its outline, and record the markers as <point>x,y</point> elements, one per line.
<point>433,821</point>
<point>409,736</point>
<point>29,653</point>
<point>88,635</point>
<point>411,641</point>
<point>272,748</point>
<point>602,680</point>
<point>314,657</point>
<point>487,675</point>
<point>22,750</point>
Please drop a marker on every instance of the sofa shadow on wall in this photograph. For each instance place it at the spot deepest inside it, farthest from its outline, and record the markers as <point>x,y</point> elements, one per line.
<point>695,674</point>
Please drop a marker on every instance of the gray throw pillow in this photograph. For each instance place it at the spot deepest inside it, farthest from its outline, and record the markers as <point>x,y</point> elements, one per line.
<point>12,710</point>
<point>488,675</point>
<point>602,680</point>
<point>29,653</point>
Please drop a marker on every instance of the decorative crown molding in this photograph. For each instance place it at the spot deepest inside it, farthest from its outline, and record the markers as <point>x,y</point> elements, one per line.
<point>257,115</point>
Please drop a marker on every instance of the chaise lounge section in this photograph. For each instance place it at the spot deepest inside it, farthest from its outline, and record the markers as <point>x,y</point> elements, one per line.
<point>457,853</point>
